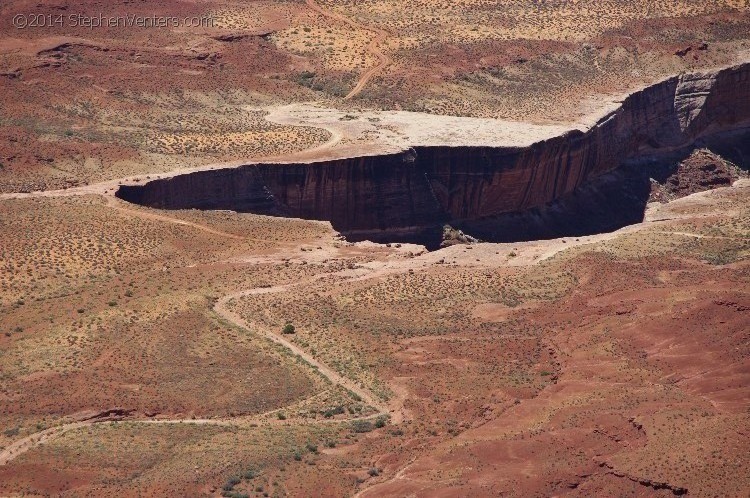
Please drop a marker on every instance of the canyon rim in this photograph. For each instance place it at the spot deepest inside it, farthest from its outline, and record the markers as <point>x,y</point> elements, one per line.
<point>336,248</point>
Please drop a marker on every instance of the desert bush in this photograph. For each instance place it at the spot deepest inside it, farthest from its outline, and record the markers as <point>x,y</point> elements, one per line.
<point>11,432</point>
<point>362,426</point>
<point>333,411</point>
<point>230,484</point>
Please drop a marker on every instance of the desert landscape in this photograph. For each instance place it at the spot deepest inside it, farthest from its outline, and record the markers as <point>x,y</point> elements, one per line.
<point>331,248</point>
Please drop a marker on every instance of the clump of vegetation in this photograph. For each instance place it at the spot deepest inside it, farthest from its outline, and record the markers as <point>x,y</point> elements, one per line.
<point>306,75</point>
<point>228,489</point>
<point>288,328</point>
<point>12,432</point>
<point>361,426</point>
<point>333,411</point>
<point>234,494</point>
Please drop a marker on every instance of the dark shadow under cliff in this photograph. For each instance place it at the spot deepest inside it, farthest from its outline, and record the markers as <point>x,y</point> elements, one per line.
<point>400,197</point>
<point>577,183</point>
<point>612,200</point>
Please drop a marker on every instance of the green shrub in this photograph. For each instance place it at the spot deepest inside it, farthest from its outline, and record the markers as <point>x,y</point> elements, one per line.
<point>288,328</point>
<point>362,426</point>
<point>12,432</point>
<point>231,483</point>
<point>333,411</point>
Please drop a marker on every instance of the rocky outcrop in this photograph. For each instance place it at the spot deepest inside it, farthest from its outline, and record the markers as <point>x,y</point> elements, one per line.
<point>701,170</point>
<point>428,186</point>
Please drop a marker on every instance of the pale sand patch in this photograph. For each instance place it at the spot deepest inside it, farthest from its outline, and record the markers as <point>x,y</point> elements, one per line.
<point>388,131</point>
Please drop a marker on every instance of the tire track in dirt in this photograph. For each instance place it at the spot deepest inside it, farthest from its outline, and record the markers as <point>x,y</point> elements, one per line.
<point>223,311</point>
<point>108,187</point>
<point>112,202</point>
<point>21,446</point>
<point>372,47</point>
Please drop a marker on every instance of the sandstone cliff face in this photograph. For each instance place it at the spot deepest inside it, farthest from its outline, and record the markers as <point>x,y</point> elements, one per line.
<point>427,186</point>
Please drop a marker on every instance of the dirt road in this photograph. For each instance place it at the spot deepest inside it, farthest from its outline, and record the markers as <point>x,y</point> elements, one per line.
<point>23,445</point>
<point>222,310</point>
<point>372,47</point>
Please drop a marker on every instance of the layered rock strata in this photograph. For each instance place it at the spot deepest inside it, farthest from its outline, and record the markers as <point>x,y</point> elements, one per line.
<point>427,186</point>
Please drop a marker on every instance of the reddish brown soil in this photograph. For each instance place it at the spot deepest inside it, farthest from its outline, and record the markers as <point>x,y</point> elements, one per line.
<point>702,170</point>
<point>618,365</point>
<point>92,104</point>
<point>630,353</point>
<point>611,365</point>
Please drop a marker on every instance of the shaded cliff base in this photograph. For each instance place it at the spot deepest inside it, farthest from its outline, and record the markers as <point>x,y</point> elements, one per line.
<point>605,203</point>
<point>578,183</point>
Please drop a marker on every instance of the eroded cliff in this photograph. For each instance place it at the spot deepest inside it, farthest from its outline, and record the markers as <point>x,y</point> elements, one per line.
<point>560,180</point>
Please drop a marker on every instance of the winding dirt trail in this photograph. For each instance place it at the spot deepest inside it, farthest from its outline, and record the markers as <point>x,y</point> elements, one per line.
<point>698,235</point>
<point>222,310</point>
<point>21,446</point>
<point>114,204</point>
<point>372,47</point>
<point>18,448</point>
<point>108,188</point>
